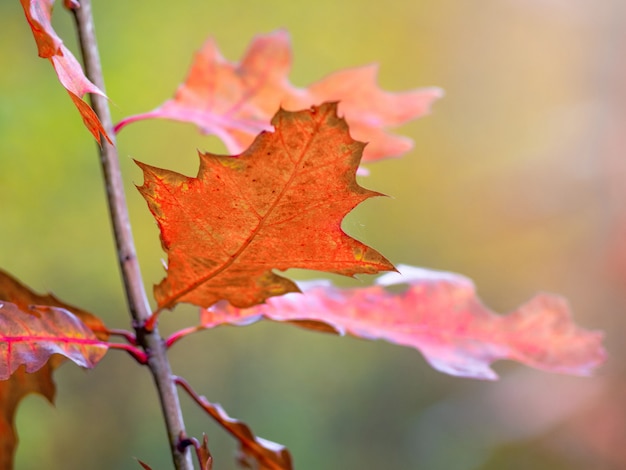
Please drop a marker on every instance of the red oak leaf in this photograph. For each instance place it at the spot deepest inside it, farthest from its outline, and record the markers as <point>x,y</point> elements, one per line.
<point>278,205</point>
<point>21,383</point>
<point>439,315</point>
<point>50,46</point>
<point>236,101</point>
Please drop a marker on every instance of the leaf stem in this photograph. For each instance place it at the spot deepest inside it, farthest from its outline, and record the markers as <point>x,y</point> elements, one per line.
<point>180,334</point>
<point>140,356</point>
<point>127,335</point>
<point>136,297</point>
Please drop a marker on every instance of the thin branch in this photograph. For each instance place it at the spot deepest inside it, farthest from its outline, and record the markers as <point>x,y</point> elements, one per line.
<point>136,297</point>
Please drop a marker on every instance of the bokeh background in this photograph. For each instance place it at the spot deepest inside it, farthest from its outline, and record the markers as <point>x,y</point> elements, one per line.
<point>517,180</point>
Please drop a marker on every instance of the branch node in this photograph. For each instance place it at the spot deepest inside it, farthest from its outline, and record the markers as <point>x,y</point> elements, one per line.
<point>184,442</point>
<point>71,4</point>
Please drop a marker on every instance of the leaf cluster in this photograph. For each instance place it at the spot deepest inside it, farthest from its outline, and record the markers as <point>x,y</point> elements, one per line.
<point>276,203</point>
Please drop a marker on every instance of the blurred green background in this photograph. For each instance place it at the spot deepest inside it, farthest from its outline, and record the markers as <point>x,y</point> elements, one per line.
<point>516,180</point>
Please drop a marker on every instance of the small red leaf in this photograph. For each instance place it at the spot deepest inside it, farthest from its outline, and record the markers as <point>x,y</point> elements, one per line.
<point>70,74</point>
<point>236,101</point>
<point>439,315</point>
<point>279,205</point>
<point>30,337</point>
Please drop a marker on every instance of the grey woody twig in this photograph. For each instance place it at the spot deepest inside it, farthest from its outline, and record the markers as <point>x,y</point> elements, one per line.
<point>138,304</point>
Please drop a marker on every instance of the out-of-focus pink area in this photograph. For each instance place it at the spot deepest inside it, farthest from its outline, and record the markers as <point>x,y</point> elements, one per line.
<point>438,314</point>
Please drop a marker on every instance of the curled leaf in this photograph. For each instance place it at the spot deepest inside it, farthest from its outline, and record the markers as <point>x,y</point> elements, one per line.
<point>237,101</point>
<point>50,46</point>
<point>440,315</point>
<point>254,452</point>
<point>266,455</point>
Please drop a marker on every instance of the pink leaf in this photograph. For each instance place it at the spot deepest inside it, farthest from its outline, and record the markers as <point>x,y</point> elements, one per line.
<point>237,101</point>
<point>440,315</point>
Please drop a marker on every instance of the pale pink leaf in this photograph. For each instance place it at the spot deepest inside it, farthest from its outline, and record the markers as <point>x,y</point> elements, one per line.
<point>236,102</point>
<point>439,314</point>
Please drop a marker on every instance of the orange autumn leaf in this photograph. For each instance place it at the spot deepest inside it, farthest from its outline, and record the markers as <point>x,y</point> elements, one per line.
<point>50,46</point>
<point>236,101</point>
<point>440,315</point>
<point>279,205</point>
<point>20,383</point>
